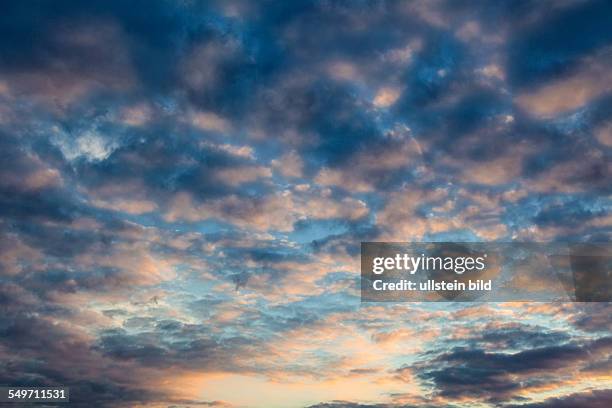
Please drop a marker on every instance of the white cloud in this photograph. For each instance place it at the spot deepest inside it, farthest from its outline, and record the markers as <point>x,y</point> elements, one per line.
<point>91,145</point>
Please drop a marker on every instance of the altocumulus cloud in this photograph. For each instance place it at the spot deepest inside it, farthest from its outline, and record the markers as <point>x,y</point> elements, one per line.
<point>184,186</point>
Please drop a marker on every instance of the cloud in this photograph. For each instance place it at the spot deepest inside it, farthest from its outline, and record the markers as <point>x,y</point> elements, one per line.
<point>136,115</point>
<point>241,175</point>
<point>386,97</point>
<point>595,399</point>
<point>209,121</point>
<point>502,375</point>
<point>289,165</point>
<point>589,81</point>
<point>275,212</point>
<point>86,56</point>
<point>183,193</point>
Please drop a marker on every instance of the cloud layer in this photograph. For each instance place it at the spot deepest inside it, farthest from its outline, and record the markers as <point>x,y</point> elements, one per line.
<point>184,187</point>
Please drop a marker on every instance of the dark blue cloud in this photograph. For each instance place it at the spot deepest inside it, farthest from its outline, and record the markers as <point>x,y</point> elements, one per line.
<point>594,399</point>
<point>497,375</point>
<point>552,45</point>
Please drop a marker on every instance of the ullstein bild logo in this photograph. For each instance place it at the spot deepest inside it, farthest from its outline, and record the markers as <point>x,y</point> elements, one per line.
<point>496,272</point>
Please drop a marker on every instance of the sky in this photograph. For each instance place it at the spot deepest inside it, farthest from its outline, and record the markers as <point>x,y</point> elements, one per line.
<point>184,187</point>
